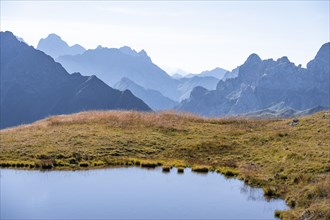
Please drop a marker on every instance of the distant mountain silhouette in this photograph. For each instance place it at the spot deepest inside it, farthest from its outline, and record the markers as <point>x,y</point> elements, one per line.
<point>218,73</point>
<point>263,84</point>
<point>111,65</point>
<point>230,75</point>
<point>156,100</point>
<point>34,86</point>
<point>54,46</point>
<point>283,113</point>
<point>152,98</point>
<point>177,76</point>
<point>186,85</point>
<point>257,85</point>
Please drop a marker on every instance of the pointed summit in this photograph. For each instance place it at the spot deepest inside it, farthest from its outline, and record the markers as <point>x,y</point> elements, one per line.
<point>283,59</point>
<point>324,53</point>
<point>99,47</point>
<point>54,46</point>
<point>253,58</point>
<point>127,50</point>
<point>54,37</point>
<point>320,65</point>
<point>322,56</point>
<point>143,54</point>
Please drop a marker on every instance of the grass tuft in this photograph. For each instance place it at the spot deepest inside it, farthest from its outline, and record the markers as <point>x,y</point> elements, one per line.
<point>200,169</point>
<point>180,170</point>
<point>149,164</point>
<point>166,169</point>
<point>83,164</point>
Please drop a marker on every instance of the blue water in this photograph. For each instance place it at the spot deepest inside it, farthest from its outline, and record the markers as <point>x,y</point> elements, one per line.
<point>129,193</point>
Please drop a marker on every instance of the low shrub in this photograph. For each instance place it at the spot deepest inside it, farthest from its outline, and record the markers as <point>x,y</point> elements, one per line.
<point>166,169</point>
<point>278,214</point>
<point>149,164</point>
<point>73,160</point>
<point>60,163</point>
<point>200,169</point>
<point>270,191</point>
<point>180,170</point>
<point>227,171</point>
<point>83,164</point>
<point>98,163</point>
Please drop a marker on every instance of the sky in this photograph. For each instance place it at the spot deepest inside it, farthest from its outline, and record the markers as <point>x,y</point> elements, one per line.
<point>179,35</point>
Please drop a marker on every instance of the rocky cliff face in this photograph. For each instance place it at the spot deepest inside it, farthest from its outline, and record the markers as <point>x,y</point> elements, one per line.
<point>263,84</point>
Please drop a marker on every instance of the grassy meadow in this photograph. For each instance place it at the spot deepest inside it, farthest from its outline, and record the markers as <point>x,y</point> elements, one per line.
<point>291,162</point>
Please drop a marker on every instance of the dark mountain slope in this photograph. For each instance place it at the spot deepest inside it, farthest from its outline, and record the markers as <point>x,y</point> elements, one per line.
<point>34,86</point>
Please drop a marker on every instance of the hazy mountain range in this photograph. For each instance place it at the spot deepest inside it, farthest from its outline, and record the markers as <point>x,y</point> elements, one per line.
<point>264,84</point>
<point>153,98</point>
<point>34,86</point>
<point>113,64</point>
<point>218,73</point>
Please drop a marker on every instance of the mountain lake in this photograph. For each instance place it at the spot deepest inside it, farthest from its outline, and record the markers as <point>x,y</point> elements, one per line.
<point>130,193</point>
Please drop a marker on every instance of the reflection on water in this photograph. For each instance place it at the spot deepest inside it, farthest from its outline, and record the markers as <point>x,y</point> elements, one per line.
<point>253,193</point>
<point>130,193</point>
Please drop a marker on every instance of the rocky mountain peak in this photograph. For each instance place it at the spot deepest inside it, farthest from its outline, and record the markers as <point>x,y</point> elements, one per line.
<point>252,59</point>
<point>128,50</point>
<point>283,59</point>
<point>198,91</point>
<point>323,55</point>
<point>54,46</point>
<point>54,37</point>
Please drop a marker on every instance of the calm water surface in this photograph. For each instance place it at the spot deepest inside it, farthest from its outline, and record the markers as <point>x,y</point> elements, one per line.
<point>129,193</point>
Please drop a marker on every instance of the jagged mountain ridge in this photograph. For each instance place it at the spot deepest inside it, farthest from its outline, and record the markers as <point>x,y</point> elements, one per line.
<point>34,86</point>
<point>157,101</point>
<point>261,84</point>
<point>259,89</point>
<point>111,65</point>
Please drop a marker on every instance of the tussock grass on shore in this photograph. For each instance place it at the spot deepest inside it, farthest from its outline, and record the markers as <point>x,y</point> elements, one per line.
<point>289,162</point>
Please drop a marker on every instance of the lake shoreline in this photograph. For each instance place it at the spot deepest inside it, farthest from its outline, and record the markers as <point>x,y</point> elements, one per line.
<point>290,162</point>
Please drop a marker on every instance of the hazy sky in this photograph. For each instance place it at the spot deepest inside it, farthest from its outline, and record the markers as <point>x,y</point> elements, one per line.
<point>193,36</point>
